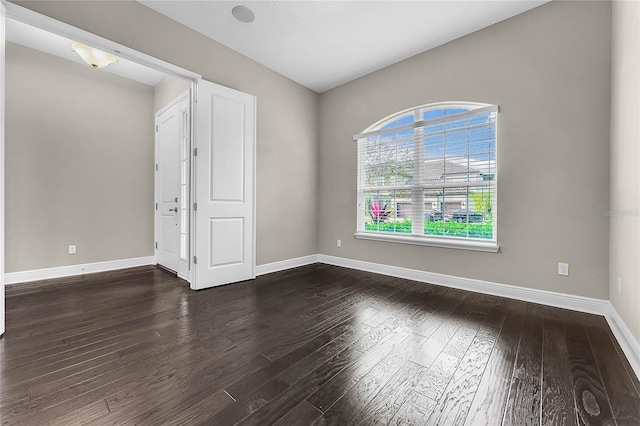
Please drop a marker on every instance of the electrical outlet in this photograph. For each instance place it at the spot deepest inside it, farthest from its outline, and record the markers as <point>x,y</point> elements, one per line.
<point>72,249</point>
<point>563,269</point>
<point>338,243</point>
<point>619,285</point>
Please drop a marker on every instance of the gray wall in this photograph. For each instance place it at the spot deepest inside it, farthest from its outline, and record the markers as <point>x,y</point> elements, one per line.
<point>79,163</point>
<point>287,113</point>
<point>549,71</point>
<point>168,90</point>
<point>624,249</point>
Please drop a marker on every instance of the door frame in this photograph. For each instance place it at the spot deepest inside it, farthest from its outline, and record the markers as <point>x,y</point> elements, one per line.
<point>3,23</point>
<point>184,265</point>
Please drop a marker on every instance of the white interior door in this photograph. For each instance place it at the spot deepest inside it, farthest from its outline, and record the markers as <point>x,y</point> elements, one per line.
<point>224,230</point>
<point>168,140</point>
<point>2,34</point>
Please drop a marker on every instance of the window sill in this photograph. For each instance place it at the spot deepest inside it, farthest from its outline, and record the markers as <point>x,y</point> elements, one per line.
<point>450,243</point>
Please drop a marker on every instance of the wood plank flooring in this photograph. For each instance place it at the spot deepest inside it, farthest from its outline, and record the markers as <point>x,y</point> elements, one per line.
<point>317,345</point>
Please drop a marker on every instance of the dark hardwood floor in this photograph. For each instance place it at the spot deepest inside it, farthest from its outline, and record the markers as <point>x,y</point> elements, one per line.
<point>313,345</point>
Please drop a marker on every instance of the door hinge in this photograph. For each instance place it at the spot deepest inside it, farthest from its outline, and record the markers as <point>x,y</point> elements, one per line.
<point>156,167</point>
<point>195,152</point>
<point>156,206</point>
<point>195,260</point>
<point>156,127</point>
<point>195,206</point>
<point>156,244</point>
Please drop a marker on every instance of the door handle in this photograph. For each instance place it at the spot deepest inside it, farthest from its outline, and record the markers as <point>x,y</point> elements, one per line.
<point>174,210</point>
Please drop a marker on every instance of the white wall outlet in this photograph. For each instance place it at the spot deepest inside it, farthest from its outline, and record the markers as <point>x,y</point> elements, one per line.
<point>563,269</point>
<point>72,249</point>
<point>338,243</point>
<point>619,285</point>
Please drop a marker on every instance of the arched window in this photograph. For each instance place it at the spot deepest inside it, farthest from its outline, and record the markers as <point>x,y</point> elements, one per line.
<point>427,175</point>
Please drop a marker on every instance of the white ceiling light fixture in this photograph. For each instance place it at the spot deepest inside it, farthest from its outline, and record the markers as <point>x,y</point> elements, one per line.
<point>243,14</point>
<point>56,45</point>
<point>92,56</point>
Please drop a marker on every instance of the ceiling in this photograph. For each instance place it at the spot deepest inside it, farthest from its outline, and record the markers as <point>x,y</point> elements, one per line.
<point>323,44</point>
<point>43,41</point>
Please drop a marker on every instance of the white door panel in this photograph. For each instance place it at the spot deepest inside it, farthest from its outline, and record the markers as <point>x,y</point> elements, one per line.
<point>227,242</point>
<point>227,154</point>
<point>224,186</point>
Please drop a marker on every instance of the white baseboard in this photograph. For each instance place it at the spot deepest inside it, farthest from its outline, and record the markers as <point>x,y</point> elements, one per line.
<point>628,342</point>
<point>71,270</point>
<point>560,300</point>
<point>268,268</point>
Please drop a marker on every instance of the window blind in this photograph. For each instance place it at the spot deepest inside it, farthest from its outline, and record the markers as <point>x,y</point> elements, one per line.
<point>430,172</point>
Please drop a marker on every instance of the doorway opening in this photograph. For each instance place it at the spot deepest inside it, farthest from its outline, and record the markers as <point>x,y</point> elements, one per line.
<point>89,156</point>
<point>215,206</point>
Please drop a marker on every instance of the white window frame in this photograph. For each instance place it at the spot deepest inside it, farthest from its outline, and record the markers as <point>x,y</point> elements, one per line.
<point>417,236</point>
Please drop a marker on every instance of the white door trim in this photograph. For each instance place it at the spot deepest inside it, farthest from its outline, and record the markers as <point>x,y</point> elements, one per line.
<point>2,78</point>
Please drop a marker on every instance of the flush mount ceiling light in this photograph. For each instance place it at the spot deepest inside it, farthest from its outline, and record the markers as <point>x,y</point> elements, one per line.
<point>243,14</point>
<point>94,57</point>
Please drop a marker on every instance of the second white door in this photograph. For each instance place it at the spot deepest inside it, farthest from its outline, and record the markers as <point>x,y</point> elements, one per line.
<point>224,238</point>
<point>171,181</point>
